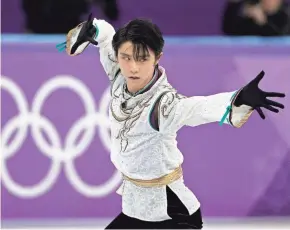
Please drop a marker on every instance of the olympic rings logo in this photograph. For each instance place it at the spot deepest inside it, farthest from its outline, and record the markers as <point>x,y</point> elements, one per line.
<point>59,155</point>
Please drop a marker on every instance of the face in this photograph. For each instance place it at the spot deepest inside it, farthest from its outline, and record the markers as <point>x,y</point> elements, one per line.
<point>138,73</point>
<point>270,6</point>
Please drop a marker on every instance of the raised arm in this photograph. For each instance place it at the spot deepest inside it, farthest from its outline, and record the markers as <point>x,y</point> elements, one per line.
<point>107,54</point>
<point>99,33</point>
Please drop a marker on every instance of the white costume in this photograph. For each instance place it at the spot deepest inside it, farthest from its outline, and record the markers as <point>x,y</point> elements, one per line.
<point>141,152</point>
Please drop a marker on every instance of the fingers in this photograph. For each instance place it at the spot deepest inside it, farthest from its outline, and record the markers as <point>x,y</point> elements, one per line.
<point>74,47</point>
<point>274,103</point>
<point>274,94</point>
<point>260,112</point>
<point>259,77</point>
<point>269,107</point>
<point>90,17</point>
<point>93,41</point>
<point>89,21</point>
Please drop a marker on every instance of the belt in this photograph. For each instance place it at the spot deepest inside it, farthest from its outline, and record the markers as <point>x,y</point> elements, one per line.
<point>158,182</point>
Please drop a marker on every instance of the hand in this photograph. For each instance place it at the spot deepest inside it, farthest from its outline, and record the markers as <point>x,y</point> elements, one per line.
<point>86,34</point>
<point>254,97</point>
<point>256,13</point>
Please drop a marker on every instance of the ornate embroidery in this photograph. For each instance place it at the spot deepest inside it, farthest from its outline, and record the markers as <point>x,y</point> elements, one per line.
<point>129,117</point>
<point>167,105</point>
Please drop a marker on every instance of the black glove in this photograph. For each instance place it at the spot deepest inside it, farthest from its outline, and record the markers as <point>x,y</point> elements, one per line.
<point>254,97</point>
<point>86,34</point>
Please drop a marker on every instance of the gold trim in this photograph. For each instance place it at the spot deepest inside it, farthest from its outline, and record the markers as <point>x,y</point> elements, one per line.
<point>158,182</point>
<point>69,36</point>
<point>68,42</point>
<point>244,119</point>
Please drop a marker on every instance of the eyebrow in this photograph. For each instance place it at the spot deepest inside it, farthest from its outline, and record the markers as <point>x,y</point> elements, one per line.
<point>127,55</point>
<point>141,56</point>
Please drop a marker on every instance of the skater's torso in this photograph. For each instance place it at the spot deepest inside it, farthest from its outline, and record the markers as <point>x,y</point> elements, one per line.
<point>141,151</point>
<point>138,148</point>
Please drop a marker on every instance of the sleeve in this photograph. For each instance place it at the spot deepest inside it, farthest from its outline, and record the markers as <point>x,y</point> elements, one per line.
<point>107,55</point>
<point>104,36</point>
<point>176,111</point>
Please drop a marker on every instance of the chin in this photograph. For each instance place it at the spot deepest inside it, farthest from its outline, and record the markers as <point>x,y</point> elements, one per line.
<point>135,86</point>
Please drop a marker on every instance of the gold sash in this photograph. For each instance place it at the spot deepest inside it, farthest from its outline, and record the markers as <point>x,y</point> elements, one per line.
<point>158,182</point>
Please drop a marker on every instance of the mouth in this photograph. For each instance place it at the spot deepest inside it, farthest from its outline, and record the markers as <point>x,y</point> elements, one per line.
<point>134,78</point>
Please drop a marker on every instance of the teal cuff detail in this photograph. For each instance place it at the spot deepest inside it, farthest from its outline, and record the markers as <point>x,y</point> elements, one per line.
<point>97,32</point>
<point>234,94</point>
<point>225,115</point>
<point>61,47</point>
<point>229,108</point>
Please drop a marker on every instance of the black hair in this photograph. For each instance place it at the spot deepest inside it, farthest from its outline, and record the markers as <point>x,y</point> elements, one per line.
<point>143,34</point>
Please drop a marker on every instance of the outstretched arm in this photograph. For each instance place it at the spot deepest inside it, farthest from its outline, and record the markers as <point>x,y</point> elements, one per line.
<point>99,33</point>
<point>177,111</point>
<point>232,108</point>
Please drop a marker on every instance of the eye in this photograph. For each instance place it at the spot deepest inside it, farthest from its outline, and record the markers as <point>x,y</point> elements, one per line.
<point>126,58</point>
<point>143,59</point>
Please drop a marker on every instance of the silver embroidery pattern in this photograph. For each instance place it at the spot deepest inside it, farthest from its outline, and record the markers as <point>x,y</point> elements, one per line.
<point>168,105</point>
<point>129,117</point>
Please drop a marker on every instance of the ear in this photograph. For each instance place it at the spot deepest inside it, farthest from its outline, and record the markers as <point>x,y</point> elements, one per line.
<point>158,58</point>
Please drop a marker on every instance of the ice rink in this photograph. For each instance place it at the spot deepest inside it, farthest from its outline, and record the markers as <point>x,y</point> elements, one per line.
<point>250,223</point>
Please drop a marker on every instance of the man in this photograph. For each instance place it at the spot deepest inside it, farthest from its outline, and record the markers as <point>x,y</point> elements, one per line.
<point>146,112</point>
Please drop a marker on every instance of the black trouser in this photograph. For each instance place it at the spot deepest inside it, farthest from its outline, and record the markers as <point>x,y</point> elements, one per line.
<point>175,209</point>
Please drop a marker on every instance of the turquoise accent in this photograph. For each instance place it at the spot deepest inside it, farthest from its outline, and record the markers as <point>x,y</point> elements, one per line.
<point>233,95</point>
<point>62,46</point>
<point>229,108</point>
<point>97,32</point>
<point>61,49</point>
<point>145,87</point>
<point>225,115</point>
<point>148,85</point>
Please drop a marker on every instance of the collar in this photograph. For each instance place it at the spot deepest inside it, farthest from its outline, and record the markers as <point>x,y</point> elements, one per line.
<point>148,90</point>
<point>146,87</point>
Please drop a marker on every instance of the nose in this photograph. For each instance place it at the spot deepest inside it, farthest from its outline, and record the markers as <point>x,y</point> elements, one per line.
<point>134,67</point>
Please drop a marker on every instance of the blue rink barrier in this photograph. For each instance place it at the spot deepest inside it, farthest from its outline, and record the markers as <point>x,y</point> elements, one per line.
<point>186,40</point>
